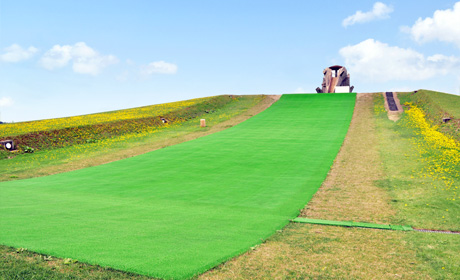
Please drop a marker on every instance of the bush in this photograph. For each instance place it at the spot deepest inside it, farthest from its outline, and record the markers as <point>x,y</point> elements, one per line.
<point>28,149</point>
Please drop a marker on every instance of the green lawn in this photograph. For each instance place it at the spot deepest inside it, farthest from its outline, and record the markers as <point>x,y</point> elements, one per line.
<point>449,102</point>
<point>424,186</point>
<point>378,176</point>
<point>179,211</point>
<point>424,190</point>
<point>58,160</point>
<point>437,105</point>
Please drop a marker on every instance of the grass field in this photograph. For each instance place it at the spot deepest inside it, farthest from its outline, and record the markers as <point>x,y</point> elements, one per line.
<point>434,102</point>
<point>370,181</point>
<point>436,106</point>
<point>219,195</point>
<point>424,187</point>
<point>58,160</point>
<point>13,129</point>
<point>24,264</point>
<point>115,125</point>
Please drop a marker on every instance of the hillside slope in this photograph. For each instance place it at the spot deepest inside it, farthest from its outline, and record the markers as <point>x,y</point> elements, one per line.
<point>437,106</point>
<point>58,133</point>
<point>52,160</point>
<point>378,176</point>
<point>219,194</point>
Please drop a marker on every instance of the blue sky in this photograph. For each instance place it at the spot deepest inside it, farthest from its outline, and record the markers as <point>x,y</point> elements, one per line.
<point>62,58</point>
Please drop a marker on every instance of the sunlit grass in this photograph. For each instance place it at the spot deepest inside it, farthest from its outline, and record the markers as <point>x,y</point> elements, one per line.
<point>439,152</point>
<point>28,165</point>
<point>28,265</point>
<point>422,166</point>
<point>100,131</point>
<point>12,129</point>
<point>306,251</point>
<point>436,107</point>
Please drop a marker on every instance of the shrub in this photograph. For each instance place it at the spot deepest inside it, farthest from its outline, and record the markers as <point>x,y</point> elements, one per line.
<point>28,149</point>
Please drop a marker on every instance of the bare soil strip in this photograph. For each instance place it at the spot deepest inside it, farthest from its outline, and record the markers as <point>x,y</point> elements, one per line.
<point>350,192</point>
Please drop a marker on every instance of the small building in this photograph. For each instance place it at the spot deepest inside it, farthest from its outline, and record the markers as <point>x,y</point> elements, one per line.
<point>336,79</point>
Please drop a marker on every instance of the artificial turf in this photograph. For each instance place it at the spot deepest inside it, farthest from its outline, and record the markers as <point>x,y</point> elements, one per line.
<point>178,211</point>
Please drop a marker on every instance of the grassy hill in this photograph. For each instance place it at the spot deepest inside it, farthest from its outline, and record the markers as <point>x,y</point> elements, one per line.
<point>13,129</point>
<point>436,106</point>
<point>74,146</point>
<point>219,195</point>
<point>380,175</point>
<point>62,132</point>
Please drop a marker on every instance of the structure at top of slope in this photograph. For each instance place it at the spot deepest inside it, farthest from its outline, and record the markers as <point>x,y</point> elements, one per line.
<point>336,79</point>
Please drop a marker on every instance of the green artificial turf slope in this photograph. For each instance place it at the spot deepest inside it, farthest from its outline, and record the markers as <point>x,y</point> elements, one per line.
<point>178,211</point>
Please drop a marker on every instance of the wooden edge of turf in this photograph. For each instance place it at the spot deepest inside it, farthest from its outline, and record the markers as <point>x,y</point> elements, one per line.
<point>352,224</point>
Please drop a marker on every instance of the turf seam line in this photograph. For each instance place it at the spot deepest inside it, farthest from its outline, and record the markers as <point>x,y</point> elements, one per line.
<point>369,225</point>
<point>352,224</point>
<point>437,231</point>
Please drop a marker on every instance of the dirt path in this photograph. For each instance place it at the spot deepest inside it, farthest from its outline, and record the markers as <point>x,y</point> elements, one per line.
<point>350,191</point>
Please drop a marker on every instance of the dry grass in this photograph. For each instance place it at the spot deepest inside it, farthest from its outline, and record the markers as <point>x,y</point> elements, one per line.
<point>304,251</point>
<point>29,265</point>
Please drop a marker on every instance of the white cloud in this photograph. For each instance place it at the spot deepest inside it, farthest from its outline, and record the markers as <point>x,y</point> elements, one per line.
<point>16,53</point>
<point>379,62</point>
<point>159,67</point>
<point>379,11</point>
<point>57,57</point>
<point>92,65</point>
<point>6,102</point>
<point>85,60</point>
<point>443,26</point>
<point>299,90</point>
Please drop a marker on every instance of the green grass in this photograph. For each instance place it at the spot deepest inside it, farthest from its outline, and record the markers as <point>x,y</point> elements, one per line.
<point>359,190</point>
<point>437,105</point>
<point>100,130</point>
<point>434,102</point>
<point>421,199</point>
<point>28,265</point>
<point>370,181</point>
<point>49,161</point>
<point>22,264</point>
<point>448,102</point>
<point>20,128</point>
<point>178,211</point>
